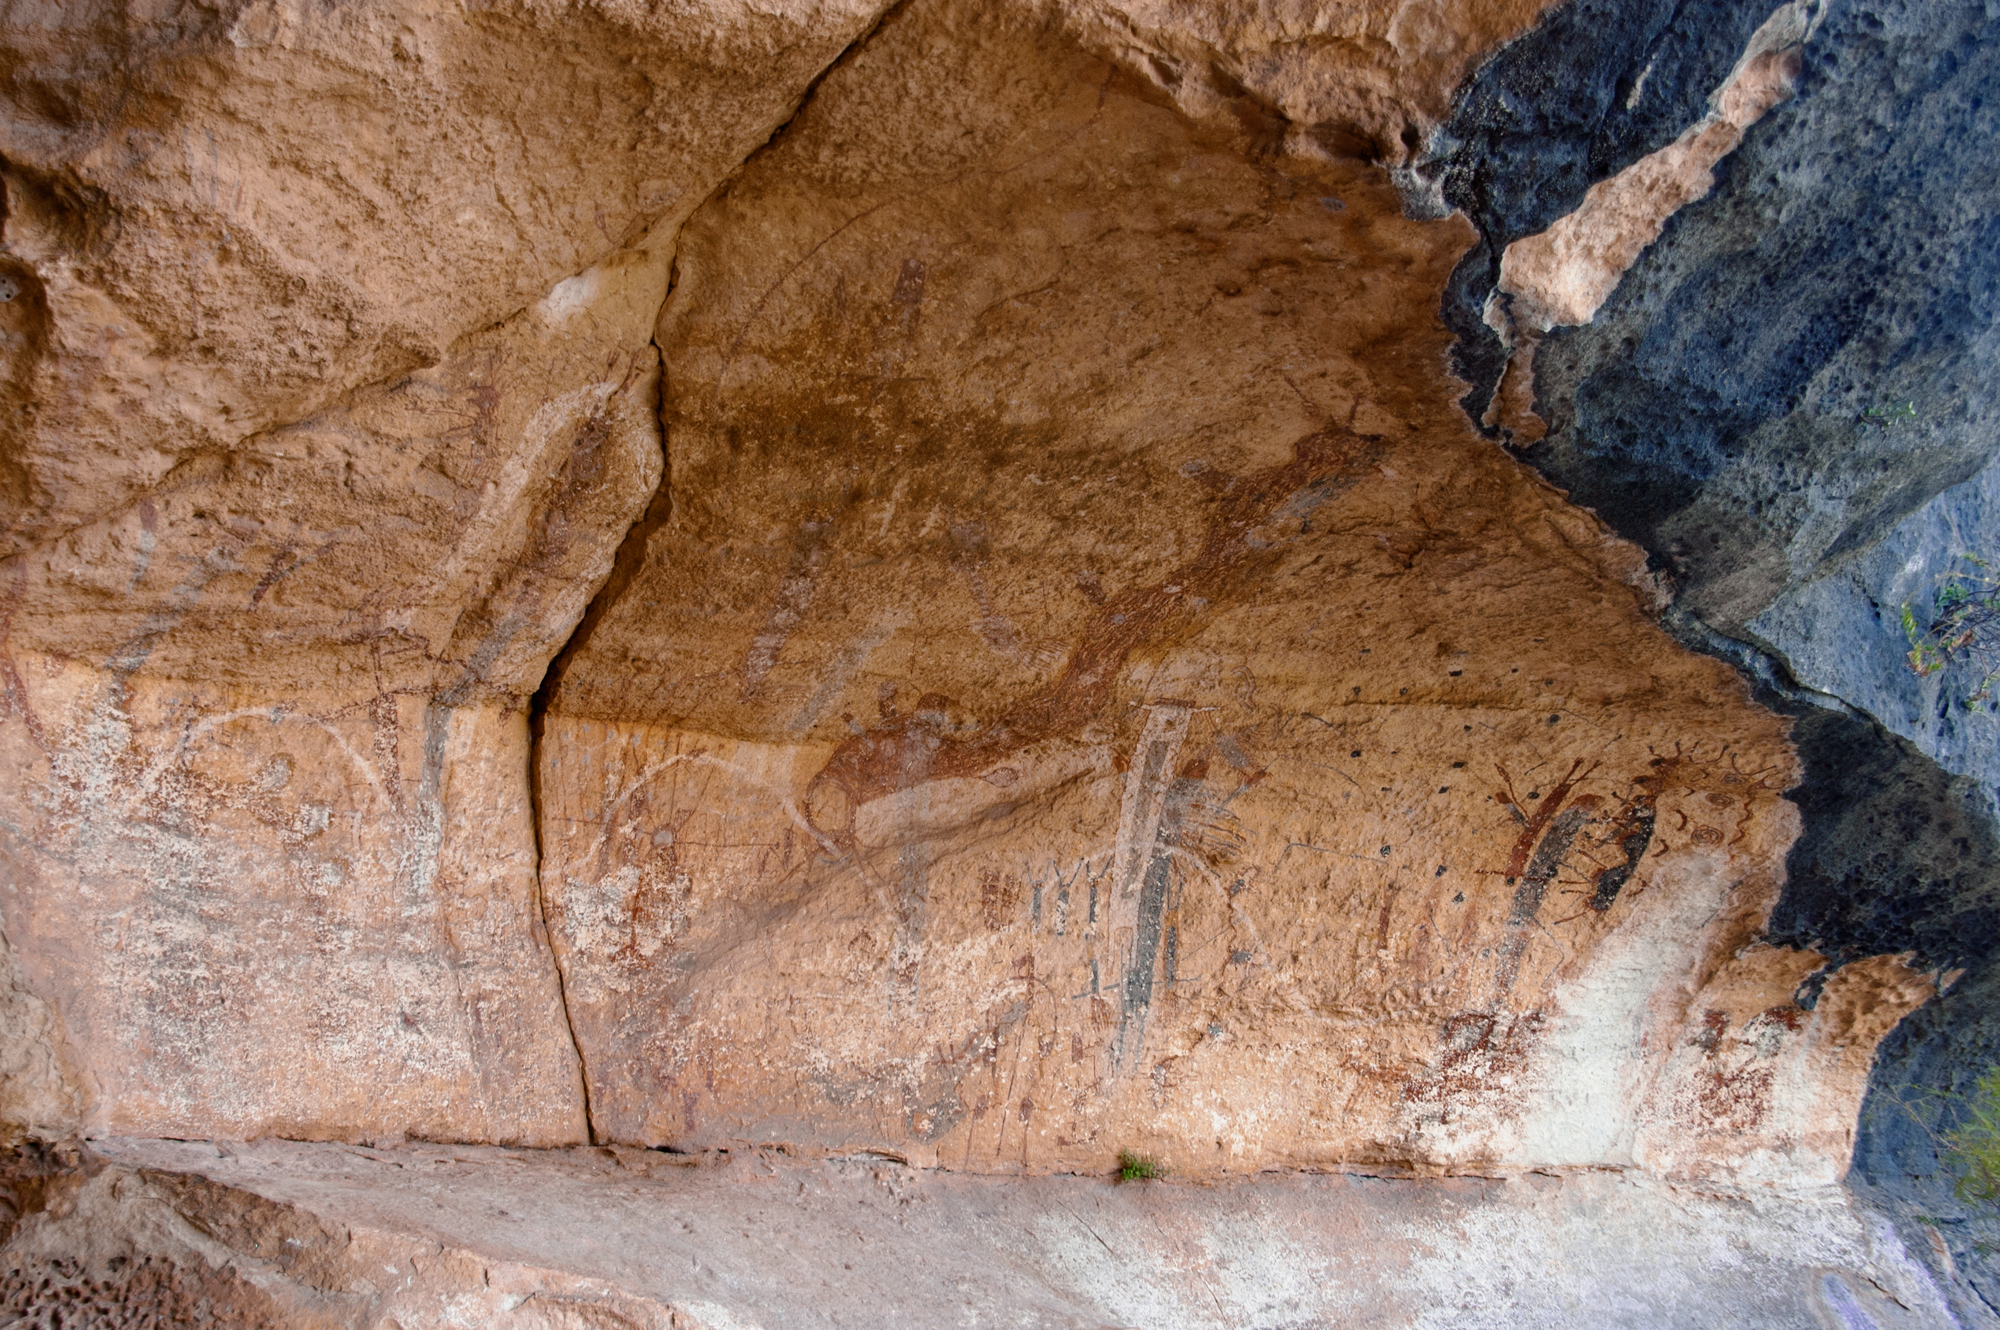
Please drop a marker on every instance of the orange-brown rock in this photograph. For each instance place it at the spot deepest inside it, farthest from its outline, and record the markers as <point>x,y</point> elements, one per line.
<point>226,220</point>
<point>1366,79</point>
<point>273,848</point>
<point>1090,690</point>
<point>1045,666</point>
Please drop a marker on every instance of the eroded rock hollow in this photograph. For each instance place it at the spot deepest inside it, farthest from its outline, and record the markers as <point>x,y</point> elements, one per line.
<point>625,606</point>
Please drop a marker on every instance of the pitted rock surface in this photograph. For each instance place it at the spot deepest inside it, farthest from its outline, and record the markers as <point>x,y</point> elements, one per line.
<point>939,582</point>
<point>1027,810</point>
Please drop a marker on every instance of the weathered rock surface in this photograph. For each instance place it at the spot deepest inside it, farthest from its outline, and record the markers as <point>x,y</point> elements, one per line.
<point>1788,402</point>
<point>331,391</point>
<point>426,1237</point>
<point>914,579</point>
<point>1141,784</point>
<point>223,220</point>
<point>274,851</point>
<point>316,457</point>
<point>277,870</point>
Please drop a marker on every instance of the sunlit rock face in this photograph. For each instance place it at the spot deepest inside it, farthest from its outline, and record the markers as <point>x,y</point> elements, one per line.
<point>272,854</point>
<point>1087,687</point>
<point>329,394</point>
<point>856,578</point>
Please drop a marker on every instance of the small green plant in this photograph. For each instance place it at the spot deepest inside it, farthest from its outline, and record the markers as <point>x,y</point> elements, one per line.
<point>1958,626</point>
<point>1139,1168</point>
<point>1973,1148</point>
<point>1881,417</point>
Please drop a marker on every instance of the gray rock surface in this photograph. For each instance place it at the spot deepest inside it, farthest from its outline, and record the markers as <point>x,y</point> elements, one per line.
<point>438,1235</point>
<point>1839,630</point>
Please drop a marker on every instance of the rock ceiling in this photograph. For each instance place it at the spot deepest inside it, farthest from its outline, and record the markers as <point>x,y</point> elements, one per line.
<point>910,580</point>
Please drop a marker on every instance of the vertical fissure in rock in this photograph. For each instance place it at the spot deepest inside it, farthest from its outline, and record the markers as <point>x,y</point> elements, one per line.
<point>542,911</point>
<point>630,555</point>
<point>625,564</point>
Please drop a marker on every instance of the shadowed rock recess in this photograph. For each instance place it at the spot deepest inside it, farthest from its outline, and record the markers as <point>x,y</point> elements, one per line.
<point>688,666</point>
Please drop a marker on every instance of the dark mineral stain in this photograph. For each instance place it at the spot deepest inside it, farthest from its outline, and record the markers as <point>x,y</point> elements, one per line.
<point>1632,834</point>
<point>1548,860</point>
<point>1146,944</point>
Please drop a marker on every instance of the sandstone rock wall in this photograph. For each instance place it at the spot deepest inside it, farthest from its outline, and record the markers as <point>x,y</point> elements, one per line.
<point>1042,664</point>
<point>1091,690</point>
<point>269,758</point>
<point>331,391</point>
<point>226,219</point>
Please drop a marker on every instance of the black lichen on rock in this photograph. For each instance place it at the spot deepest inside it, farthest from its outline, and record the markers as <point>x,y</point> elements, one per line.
<point>1723,408</point>
<point>1592,89</point>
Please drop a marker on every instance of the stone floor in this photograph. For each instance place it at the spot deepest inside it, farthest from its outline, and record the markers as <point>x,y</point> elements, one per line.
<point>418,1236</point>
